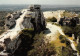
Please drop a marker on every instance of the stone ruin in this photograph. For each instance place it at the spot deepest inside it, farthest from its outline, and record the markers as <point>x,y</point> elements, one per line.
<point>34,19</point>
<point>66,21</point>
<point>10,21</point>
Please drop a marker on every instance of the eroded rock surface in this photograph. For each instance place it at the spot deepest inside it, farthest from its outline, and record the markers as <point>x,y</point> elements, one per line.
<point>15,23</point>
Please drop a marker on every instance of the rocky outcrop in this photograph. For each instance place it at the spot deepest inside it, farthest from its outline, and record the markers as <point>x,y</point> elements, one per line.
<point>10,21</point>
<point>34,19</point>
<point>15,23</point>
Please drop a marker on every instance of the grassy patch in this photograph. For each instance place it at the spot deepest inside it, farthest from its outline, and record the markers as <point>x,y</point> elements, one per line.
<point>41,48</point>
<point>58,43</point>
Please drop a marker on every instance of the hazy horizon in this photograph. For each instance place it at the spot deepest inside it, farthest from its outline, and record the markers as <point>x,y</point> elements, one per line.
<point>42,2</point>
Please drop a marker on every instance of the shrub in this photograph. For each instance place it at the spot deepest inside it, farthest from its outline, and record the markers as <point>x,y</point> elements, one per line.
<point>61,37</point>
<point>64,40</point>
<point>67,43</point>
<point>77,29</point>
<point>53,19</point>
<point>67,51</point>
<point>28,32</point>
<point>78,47</point>
<point>67,30</point>
<point>41,48</point>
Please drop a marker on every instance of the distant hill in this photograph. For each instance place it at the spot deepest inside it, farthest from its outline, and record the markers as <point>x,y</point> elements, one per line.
<point>44,7</point>
<point>12,7</point>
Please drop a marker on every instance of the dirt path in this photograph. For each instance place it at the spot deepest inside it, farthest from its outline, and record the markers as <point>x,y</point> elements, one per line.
<point>54,32</point>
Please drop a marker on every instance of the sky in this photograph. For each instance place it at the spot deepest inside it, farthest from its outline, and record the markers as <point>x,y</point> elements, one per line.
<point>49,2</point>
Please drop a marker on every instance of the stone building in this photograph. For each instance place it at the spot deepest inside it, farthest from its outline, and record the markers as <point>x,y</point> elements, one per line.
<point>69,21</point>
